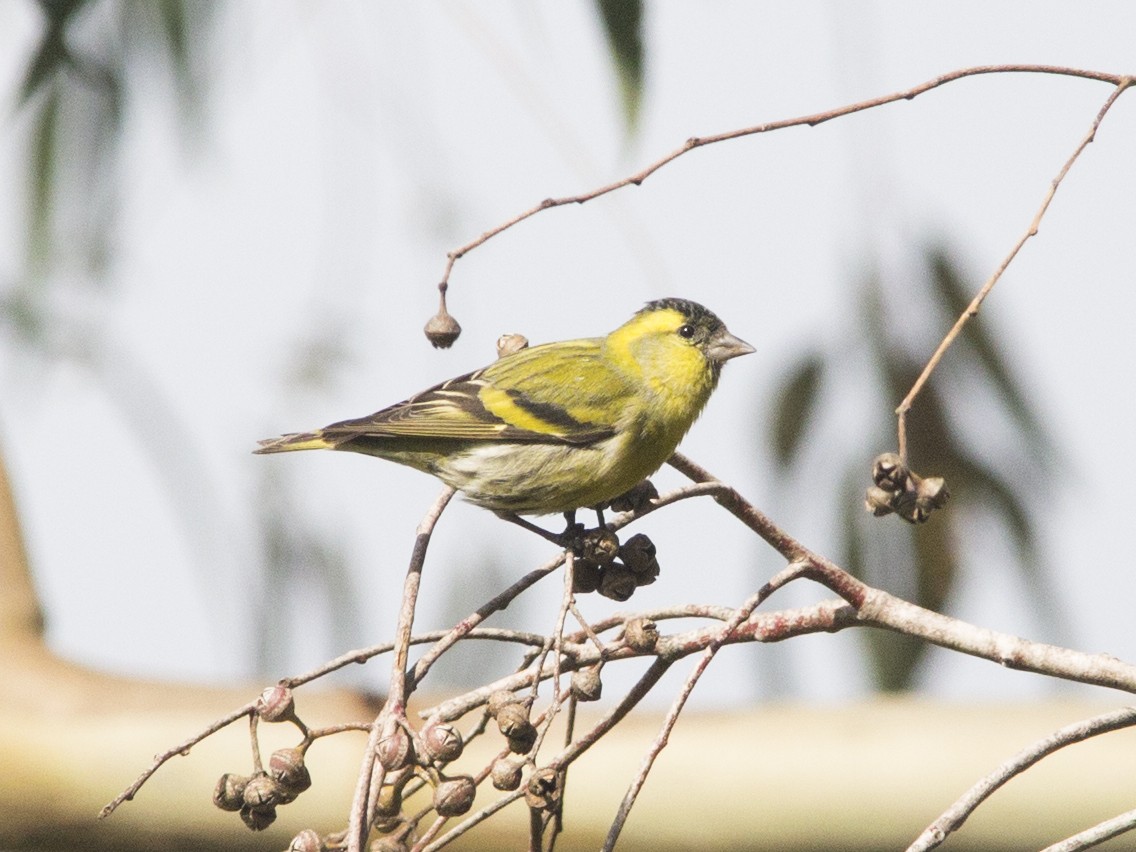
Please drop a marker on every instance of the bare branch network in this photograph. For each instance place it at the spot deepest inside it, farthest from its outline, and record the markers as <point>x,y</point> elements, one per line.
<point>561,669</point>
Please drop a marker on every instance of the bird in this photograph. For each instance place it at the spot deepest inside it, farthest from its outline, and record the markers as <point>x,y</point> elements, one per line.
<point>557,427</point>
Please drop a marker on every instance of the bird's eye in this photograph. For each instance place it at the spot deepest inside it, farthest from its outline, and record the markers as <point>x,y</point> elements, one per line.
<point>686,331</point>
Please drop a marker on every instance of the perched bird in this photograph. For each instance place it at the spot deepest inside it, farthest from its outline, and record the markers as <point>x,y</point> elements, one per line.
<point>557,427</point>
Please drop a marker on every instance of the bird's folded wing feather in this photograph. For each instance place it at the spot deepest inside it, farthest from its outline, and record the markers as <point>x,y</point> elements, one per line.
<point>561,393</point>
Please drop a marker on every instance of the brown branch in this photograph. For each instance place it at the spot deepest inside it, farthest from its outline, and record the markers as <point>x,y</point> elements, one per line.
<point>1122,83</point>
<point>180,749</point>
<point>1098,834</point>
<point>953,818</point>
<point>370,777</point>
<point>663,737</point>
<point>810,120</point>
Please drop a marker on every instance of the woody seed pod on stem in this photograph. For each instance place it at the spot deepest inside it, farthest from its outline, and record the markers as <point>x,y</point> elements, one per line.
<point>641,634</point>
<point>276,704</point>
<point>454,796</point>
<point>229,794</point>
<point>442,329</point>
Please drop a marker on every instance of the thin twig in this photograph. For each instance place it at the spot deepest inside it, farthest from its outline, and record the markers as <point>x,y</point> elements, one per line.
<point>1096,835</point>
<point>394,710</point>
<point>671,719</point>
<point>810,120</point>
<point>975,303</point>
<point>467,624</point>
<point>180,749</point>
<point>396,699</point>
<point>953,818</point>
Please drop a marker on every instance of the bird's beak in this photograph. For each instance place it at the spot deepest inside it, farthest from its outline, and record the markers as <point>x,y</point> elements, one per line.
<point>725,346</point>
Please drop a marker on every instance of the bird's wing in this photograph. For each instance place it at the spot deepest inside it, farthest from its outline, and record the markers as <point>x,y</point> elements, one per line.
<point>558,393</point>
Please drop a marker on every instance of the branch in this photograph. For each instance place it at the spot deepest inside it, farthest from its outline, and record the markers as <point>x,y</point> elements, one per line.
<point>972,309</point>
<point>394,709</point>
<point>671,719</point>
<point>810,120</point>
<point>953,818</point>
<point>1099,833</point>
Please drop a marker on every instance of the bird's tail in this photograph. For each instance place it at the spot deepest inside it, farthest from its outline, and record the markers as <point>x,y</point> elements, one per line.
<point>295,441</point>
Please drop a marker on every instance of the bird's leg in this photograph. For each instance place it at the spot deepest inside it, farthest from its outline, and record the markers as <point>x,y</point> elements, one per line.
<point>600,518</point>
<point>568,539</point>
<point>573,534</point>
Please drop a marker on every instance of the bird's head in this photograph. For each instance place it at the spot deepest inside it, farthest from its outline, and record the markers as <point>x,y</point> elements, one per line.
<point>676,341</point>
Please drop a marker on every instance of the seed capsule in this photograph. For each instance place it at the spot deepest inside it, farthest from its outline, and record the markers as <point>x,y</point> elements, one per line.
<point>276,704</point>
<point>506,774</point>
<point>641,634</point>
<point>617,583</point>
<point>229,794</point>
<point>442,329</point>
<point>454,796</point>
<point>395,750</point>
<point>262,791</point>
<point>513,719</point>
<point>586,684</point>
<point>287,767</point>
<point>499,699</point>
<point>543,790</point>
<point>259,818</point>
<point>442,742</point>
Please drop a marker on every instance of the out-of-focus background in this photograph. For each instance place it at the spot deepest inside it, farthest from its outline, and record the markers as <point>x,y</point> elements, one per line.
<point>225,221</point>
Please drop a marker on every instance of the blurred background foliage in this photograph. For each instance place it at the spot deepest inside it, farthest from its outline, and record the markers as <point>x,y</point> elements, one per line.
<point>922,562</point>
<point>74,95</point>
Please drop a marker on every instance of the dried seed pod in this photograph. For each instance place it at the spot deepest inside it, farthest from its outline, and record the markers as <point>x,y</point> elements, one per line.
<point>638,554</point>
<point>507,344</point>
<point>499,699</point>
<point>543,790</point>
<point>635,499</point>
<point>506,773</point>
<point>287,768</point>
<point>259,818</point>
<point>262,791</point>
<point>442,329</point>
<point>276,704</point>
<point>641,634</point>
<point>229,794</point>
<point>306,841</point>
<point>513,718</point>
<point>394,826</point>
<point>878,501</point>
<point>889,473</point>
<point>586,577</point>
<point>389,803</point>
<point>925,504</point>
<point>617,582</point>
<point>933,493</point>
<point>586,684</point>
<point>394,751</point>
<point>441,742</point>
<point>454,796</point>
<point>599,547</point>
<point>523,741</point>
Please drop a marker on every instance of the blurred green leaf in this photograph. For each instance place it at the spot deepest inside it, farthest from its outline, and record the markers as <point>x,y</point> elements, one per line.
<point>52,54</point>
<point>173,21</point>
<point>623,24</point>
<point>42,176</point>
<point>937,444</point>
<point>793,407</point>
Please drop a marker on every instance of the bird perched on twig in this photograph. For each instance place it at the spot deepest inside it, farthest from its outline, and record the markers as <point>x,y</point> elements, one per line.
<point>556,427</point>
